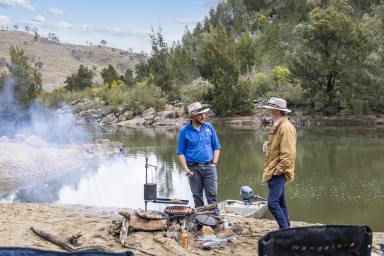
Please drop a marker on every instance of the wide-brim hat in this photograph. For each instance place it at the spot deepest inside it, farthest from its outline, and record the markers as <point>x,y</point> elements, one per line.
<point>197,108</point>
<point>277,103</point>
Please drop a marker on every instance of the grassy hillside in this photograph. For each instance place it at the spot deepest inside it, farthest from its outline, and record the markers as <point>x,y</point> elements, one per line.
<point>61,60</point>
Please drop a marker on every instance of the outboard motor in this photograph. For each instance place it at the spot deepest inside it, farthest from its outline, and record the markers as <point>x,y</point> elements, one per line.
<point>246,193</point>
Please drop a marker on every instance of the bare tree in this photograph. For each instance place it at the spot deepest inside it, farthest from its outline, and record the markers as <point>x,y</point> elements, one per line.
<point>54,38</point>
<point>36,36</point>
<point>103,42</point>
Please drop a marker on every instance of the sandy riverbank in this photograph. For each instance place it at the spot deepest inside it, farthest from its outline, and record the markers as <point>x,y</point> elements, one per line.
<point>94,225</point>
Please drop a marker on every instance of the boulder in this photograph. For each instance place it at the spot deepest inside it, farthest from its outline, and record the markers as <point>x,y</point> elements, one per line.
<point>110,119</point>
<point>136,121</point>
<point>127,115</point>
<point>178,122</point>
<point>149,114</point>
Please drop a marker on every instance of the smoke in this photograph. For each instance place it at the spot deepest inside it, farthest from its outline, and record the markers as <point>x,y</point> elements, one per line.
<point>53,126</point>
<point>40,149</point>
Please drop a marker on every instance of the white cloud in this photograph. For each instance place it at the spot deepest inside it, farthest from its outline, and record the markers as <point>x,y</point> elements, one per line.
<point>39,19</point>
<point>113,31</point>
<point>64,25</point>
<point>186,21</point>
<point>4,20</point>
<point>17,3</point>
<point>55,11</point>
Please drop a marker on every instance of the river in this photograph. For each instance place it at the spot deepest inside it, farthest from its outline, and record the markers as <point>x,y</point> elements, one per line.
<point>339,173</point>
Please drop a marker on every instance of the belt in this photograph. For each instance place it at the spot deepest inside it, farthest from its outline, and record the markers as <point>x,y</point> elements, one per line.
<point>199,164</point>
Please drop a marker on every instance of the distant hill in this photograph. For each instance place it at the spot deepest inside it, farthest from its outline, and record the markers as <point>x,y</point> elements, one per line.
<point>57,61</point>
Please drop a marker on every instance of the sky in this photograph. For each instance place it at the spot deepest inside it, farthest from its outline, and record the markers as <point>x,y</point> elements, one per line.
<point>124,24</point>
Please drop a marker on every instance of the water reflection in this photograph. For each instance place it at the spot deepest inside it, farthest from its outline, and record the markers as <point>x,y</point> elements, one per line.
<point>339,177</point>
<point>119,183</point>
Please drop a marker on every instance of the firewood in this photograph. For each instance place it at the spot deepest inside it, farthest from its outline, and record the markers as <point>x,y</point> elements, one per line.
<point>124,230</point>
<point>64,245</point>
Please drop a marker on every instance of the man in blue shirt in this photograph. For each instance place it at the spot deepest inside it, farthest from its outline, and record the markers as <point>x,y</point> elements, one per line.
<point>198,151</point>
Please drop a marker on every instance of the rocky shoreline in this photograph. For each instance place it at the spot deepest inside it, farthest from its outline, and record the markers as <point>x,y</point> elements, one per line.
<point>173,116</point>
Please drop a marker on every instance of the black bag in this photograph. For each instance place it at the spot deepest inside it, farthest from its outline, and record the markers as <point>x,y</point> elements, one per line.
<point>18,251</point>
<point>328,240</point>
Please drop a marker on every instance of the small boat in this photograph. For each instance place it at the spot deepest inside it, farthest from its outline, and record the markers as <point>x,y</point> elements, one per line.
<point>254,209</point>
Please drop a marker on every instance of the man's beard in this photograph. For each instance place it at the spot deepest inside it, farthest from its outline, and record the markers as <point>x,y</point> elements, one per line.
<point>199,121</point>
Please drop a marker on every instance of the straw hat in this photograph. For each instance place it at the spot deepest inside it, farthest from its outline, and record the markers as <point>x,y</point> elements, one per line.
<point>277,103</point>
<point>196,108</point>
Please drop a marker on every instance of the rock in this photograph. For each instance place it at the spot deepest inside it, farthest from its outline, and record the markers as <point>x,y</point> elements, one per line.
<point>103,147</point>
<point>140,224</point>
<point>149,114</point>
<point>150,215</point>
<point>83,104</point>
<point>127,115</point>
<point>136,121</point>
<point>168,114</point>
<point>110,119</point>
<point>178,122</point>
<point>92,116</point>
<point>226,233</point>
<point>237,229</point>
<point>207,231</point>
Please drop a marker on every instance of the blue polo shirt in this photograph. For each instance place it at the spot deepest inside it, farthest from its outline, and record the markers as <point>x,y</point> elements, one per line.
<point>198,146</point>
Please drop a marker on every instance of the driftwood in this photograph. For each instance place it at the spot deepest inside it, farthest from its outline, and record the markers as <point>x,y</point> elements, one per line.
<point>62,244</point>
<point>124,230</point>
<point>206,208</point>
<point>125,214</point>
<point>53,239</point>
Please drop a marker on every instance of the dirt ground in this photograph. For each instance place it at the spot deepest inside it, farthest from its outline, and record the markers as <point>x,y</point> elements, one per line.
<point>95,224</point>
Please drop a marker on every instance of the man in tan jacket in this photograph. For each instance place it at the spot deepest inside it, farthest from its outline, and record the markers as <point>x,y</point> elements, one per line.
<point>280,159</point>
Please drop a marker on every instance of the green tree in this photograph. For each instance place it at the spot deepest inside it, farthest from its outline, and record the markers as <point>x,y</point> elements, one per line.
<point>331,47</point>
<point>246,52</point>
<point>217,63</point>
<point>109,75</point>
<point>141,70</point>
<point>80,80</point>
<point>183,66</point>
<point>159,63</point>
<point>128,78</point>
<point>27,80</point>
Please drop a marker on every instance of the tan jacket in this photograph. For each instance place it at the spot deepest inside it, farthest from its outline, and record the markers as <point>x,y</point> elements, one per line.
<point>281,150</point>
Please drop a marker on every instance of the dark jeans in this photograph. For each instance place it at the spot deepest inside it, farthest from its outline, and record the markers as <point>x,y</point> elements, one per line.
<point>204,179</point>
<point>276,201</point>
